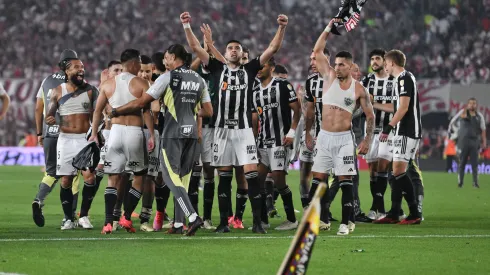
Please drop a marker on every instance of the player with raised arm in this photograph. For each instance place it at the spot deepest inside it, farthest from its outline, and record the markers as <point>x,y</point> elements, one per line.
<point>234,142</point>
<point>335,148</point>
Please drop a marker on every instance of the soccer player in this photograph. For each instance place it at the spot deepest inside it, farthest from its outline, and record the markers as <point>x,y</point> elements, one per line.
<point>471,137</point>
<point>234,143</point>
<point>183,91</point>
<point>335,149</point>
<point>74,101</point>
<point>407,124</point>
<point>380,87</point>
<point>126,147</point>
<point>273,100</point>
<point>4,97</point>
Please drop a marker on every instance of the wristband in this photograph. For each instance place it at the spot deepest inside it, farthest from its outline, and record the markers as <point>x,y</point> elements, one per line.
<point>114,113</point>
<point>186,25</point>
<point>39,134</point>
<point>327,29</point>
<point>387,129</point>
<point>291,133</point>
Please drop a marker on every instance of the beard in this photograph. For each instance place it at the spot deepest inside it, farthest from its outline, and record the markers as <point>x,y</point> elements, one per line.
<point>77,82</point>
<point>379,69</point>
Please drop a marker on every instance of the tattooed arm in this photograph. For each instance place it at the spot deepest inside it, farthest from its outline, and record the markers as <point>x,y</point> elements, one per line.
<point>53,106</point>
<point>368,111</point>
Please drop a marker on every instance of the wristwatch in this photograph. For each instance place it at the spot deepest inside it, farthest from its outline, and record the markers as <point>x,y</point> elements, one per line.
<point>114,113</point>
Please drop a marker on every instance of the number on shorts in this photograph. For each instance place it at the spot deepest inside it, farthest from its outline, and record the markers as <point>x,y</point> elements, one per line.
<point>215,147</point>
<point>58,154</point>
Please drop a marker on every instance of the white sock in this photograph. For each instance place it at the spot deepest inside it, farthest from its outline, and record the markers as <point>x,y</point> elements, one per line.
<point>192,217</point>
<point>178,224</point>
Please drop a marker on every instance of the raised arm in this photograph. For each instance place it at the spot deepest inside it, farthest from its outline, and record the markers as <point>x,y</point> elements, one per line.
<point>209,43</point>
<point>366,106</point>
<point>192,40</point>
<point>322,62</point>
<point>276,43</point>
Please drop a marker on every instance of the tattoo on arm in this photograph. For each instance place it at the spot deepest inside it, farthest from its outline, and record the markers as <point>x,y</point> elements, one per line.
<point>368,110</point>
<point>53,105</point>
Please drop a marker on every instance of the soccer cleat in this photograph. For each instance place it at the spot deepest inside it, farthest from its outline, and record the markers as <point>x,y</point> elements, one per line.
<point>37,213</point>
<point>372,215</point>
<point>116,226</point>
<point>174,230</point>
<point>272,213</point>
<point>460,185</point>
<point>343,230</point>
<point>264,225</point>
<point>85,223</point>
<point>380,216</point>
<point>258,229</point>
<point>230,220</point>
<point>208,225</point>
<point>222,229</point>
<point>194,226</point>
<point>237,224</point>
<point>287,225</point>
<point>145,227</point>
<point>128,225</point>
<point>386,220</point>
<point>476,185</point>
<point>325,226</point>
<point>296,211</point>
<point>411,220</point>
<point>158,221</point>
<point>107,229</point>
<point>362,218</point>
<point>402,217</point>
<point>68,225</point>
<point>351,226</point>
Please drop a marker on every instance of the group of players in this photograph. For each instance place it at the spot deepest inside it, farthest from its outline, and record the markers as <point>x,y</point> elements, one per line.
<point>168,118</point>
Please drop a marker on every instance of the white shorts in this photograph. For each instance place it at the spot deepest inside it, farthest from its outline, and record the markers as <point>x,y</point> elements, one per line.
<point>154,156</point>
<point>207,145</point>
<point>68,146</point>
<point>234,147</point>
<point>335,152</point>
<point>380,150</point>
<point>404,148</point>
<point>126,150</point>
<point>276,158</point>
<point>103,150</point>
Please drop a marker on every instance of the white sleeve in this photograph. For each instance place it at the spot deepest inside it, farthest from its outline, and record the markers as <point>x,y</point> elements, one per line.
<point>40,91</point>
<point>158,88</point>
<point>483,126</point>
<point>2,90</point>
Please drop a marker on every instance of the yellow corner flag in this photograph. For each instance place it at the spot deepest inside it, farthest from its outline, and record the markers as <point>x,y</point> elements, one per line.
<point>298,256</point>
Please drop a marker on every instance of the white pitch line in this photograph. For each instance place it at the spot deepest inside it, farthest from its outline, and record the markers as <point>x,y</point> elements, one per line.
<point>3,273</point>
<point>242,238</point>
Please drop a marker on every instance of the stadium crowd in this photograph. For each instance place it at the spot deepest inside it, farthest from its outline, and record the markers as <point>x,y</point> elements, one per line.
<point>455,43</point>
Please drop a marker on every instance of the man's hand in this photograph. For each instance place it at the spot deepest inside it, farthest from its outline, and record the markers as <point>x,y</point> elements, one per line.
<point>40,140</point>
<point>185,17</point>
<point>94,138</point>
<point>286,141</point>
<point>50,120</point>
<point>333,21</point>
<point>151,143</point>
<point>310,143</point>
<point>282,20</point>
<point>199,136</point>
<point>371,97</point>
<point>363,147</point>
<point>208,34</point>
<point>383,136</point>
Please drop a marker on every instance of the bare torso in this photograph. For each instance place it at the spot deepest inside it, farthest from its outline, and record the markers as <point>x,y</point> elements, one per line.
<point>336,119</point>
<point>74,123</point>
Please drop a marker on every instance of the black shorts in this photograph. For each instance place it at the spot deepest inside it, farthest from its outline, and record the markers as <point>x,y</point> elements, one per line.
<point>50,155</point>
<point>179,155</point>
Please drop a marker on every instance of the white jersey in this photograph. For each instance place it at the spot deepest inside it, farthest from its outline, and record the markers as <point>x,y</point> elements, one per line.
<point>122,95</point>
<point>344,99</point>
<point>74,105</point>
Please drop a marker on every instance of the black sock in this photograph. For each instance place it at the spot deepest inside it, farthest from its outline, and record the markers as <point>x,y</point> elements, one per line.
<point>145,214</point>
<point>254,195</point>
<point>224,190</point>
<point>382,184</point>
<point>126,200</point>
<point>314,185</point>
<point>208,195</point>
<point>88,194</point>
<point>162,194</point>
<point>287,199</point>
<point>193,191</point>
<point>99,175</point>
<point>325,207</point>
<point>230,201</point>
<point>269,194</point>
<point>396,198</point>
<point>264,217</point>
<point>241,203</point>
<point>419,194</point>
<point>110,196</point>
<point>409,193</point>
<point>357,202</point>
<point>373,187</point>
<point>132,201</point>
<point>347,200</point>
<point>275,194</point>
<point>66,197</point>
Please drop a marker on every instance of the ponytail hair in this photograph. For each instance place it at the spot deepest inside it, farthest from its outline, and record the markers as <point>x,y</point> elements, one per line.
<point>181,53</point>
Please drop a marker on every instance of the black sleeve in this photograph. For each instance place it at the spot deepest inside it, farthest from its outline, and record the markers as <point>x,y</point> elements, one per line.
<point>253,67</point>
<point>406,86</point>
<point>288,92</point>
<point>214,65</point>
<point>308,95</point>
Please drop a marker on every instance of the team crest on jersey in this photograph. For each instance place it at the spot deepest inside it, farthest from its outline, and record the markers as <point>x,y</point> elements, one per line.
<point>240,74</point>
<point>175,82</point>
<point>290,87</point>
<point>224,86</point>
<point>402,82</point>
<point>186,130</point>
<point>348,101</point>
<point>85,105</point>
<point>259,110</point>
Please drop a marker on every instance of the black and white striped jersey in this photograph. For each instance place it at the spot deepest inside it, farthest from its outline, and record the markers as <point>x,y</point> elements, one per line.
<point>382,91</point>
<point>271,103</point>
<point>234,93</point>
<point>314,91</point>
<point>411,124</point>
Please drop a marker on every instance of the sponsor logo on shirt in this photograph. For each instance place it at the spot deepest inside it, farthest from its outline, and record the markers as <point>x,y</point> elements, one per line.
<point>231,122</point>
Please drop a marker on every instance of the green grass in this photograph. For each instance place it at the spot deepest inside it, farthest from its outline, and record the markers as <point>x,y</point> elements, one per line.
<point>435,247</point>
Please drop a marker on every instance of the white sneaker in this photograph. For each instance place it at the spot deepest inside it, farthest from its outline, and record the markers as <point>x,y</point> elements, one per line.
<point>146,227</point>
<point>380,216</point>
<point>287,225</point>
<point>351,226</point>
<point>372,215</point>
<point>168,225</point>
<point>343,230</point>
<point>264,225</point>
<point>325,226</point>
<point>208,224</point>
<point>402,217</point>
<point>68,225</point>
<point>85,223</point>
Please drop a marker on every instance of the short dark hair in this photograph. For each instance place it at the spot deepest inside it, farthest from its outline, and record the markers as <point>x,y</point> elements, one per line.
<point>397,56</point>
<point>145,59</point>
<point>280,69</point>
<point>129,54</point>
<point>157,60</point>
<point>377,52</point>
<point>233,41</point>
<point>344,54</point>
<point>272,62</point>
<point>246,50</point>
<point>112,63</point>
<point>472,98</point>
<point>181,53</point>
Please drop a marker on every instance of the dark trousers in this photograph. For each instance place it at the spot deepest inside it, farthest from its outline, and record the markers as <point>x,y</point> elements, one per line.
<point>468,150</point>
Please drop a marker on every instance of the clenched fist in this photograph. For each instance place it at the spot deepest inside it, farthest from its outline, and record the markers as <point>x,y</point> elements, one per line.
<point>185,17</point>
<point>282,20</point>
